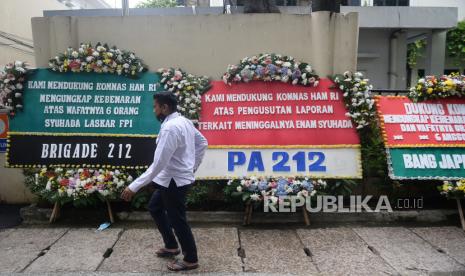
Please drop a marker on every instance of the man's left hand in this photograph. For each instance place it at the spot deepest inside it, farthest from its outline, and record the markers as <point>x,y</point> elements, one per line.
<point>127,194</point>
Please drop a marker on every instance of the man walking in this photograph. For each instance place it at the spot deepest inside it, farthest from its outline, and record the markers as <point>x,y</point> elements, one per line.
<point>179,152</point>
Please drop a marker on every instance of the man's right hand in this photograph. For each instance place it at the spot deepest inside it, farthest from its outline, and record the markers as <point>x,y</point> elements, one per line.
<point>127,194</point>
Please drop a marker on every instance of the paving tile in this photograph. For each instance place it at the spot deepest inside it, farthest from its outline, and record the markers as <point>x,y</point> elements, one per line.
<point>339,251</point>
<point>406,252</point>
<point>19,247</point>
<point>77,250</point>
<point>275,251</point>
<point>135,252</point>
<point>450,239</point>
<point>217,250</point>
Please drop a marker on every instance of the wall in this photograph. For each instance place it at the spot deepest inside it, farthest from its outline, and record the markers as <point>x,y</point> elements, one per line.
<point>374,56</point>
<point>460,4</point>
<point>206,44</point>
<point>15,18</point>
<point>12,188</point>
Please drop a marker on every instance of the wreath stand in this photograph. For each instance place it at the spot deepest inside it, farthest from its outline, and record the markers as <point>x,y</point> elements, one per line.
<point>249,209</point>
<point>462,219</point>
<point>57,210</point>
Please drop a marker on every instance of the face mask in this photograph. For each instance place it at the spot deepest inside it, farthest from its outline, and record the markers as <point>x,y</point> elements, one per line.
<point>161,117</point>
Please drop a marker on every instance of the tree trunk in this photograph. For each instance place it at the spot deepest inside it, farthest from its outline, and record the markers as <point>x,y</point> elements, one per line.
<point>260,6</point>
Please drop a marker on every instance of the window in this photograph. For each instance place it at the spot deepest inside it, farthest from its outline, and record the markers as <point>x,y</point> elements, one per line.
<point>278,2</point>
<point>421,73</point>
<point>450,71</point>
<point>391,3</point>
<point>286,2</point>
<point>351,2</point>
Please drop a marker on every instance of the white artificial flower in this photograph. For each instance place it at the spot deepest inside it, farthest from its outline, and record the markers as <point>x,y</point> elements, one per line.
<point>104,192</point>
<point>96,54</point>
<point>239,189</point>
<point>18,95</point>
<point>75,54</point>
<point>255,197</point>
<point>69,192</point>
<point>18,63</point>
<point>48,187</point>
<point>126,66</point>
<point>89,58</point>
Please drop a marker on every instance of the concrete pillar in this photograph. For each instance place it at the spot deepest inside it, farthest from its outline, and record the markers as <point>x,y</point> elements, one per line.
<point>435,52</point>
<point>401,68</point>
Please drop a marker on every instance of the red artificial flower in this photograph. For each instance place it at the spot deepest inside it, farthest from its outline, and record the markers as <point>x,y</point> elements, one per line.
<point>74,64</point>
<point>64,182</point>
<point>86,173</point>
<point>50,174</point>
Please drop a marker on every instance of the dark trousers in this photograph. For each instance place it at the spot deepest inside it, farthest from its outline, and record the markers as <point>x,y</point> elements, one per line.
<point>168,208</point>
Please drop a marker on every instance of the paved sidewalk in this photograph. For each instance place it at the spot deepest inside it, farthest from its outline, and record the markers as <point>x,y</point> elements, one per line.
<point>225,251</point>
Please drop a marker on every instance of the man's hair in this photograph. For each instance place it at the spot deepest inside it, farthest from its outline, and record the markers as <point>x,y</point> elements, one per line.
<point>167,98</point>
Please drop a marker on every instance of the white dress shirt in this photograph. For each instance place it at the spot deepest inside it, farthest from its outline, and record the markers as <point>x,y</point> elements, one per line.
<point>180,149</point>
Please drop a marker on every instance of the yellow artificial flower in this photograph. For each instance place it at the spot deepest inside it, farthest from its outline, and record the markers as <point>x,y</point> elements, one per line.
<point>445,187</point>
<point>429,90</point>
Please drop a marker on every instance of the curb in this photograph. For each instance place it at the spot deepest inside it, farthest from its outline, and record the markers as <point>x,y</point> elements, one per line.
<point>33,215</point>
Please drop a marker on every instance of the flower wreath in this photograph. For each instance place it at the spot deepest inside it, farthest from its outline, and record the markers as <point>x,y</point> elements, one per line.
<point>431,87</point>
<point>271,67</point>
<point>11,86</point>
<point>256,189</point>
<point>187,88</point>
<point>101,59</point>
<point>358,98</point>
<point>453,189</point>
<point>85,185</point>
<point>77,185</point>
